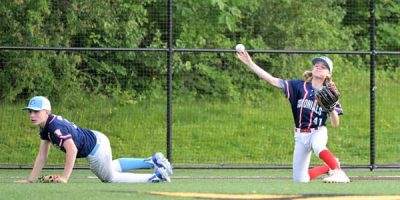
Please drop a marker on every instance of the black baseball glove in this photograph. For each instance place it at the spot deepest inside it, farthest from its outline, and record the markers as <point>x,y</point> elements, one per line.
<point>327,97</point>
<point>51,179</point>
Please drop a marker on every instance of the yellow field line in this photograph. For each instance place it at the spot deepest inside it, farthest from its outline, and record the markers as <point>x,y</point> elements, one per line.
<point>271,196</point>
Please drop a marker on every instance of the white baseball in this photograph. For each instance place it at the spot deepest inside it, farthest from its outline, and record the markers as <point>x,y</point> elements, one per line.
<point>240,48</point>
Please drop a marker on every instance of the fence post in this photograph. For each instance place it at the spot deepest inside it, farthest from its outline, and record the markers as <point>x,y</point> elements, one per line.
<point>372,85</point>
<point>169,81</point>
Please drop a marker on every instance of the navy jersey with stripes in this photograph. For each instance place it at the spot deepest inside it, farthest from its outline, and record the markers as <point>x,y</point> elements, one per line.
<point>306,111</point>
<point>84,139</point>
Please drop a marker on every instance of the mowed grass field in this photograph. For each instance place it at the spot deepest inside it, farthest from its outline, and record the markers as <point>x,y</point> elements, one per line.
<point>212,133</point>
<point>255,129</point>
<point>206,184</point>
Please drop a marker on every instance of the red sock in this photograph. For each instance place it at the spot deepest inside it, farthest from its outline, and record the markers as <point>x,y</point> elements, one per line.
<point>329,159</point>
<point>316,171</point>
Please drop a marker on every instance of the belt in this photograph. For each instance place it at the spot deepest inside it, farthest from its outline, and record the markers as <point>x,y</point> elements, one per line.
<point>307,130</point>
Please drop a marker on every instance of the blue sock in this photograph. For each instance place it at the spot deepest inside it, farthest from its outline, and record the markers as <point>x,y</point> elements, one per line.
<point>133,163</point>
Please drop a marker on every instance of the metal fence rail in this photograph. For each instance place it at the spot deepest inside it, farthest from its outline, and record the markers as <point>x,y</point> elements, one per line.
<point>170,50</point>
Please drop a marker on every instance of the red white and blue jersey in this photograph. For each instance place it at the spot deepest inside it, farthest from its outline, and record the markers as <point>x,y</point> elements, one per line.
<point>306,111</point>
<point>84,139</point>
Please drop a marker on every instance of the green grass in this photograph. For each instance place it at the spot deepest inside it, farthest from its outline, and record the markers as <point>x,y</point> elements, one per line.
<point>82,187</point>
<point>247,131</point>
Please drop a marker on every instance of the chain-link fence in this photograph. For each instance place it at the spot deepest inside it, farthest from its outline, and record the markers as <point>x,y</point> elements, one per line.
<point>162,76</point>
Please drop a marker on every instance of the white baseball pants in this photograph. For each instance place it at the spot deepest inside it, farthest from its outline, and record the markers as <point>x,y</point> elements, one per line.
<point>107,170</point>
<point>305,142</point>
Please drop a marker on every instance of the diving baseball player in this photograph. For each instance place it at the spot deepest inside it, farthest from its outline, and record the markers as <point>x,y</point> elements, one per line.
<point>78,142</point>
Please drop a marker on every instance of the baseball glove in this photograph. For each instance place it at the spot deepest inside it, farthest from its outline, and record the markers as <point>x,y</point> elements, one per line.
<point>327,97</point>
<point>51,179</point>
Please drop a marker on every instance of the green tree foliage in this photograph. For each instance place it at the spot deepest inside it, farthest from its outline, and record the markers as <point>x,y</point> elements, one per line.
<point>309,25</point>
<point>387,15</point>
<point>69,24</point>
<point>388,18</point>
<point>208,24</point>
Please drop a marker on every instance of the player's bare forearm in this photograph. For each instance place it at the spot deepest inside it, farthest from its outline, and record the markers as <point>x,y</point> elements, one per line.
<point>70,158</point>
<point>69,166</point>
<point>40,160</point>
<point>37,167</point>
<point>246,59</point>
<point>265,75</point>
<point>334,119</point>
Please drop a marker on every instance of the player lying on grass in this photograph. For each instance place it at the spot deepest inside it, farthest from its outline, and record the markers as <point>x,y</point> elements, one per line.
<point>309,118</point>
<point>78,142</point>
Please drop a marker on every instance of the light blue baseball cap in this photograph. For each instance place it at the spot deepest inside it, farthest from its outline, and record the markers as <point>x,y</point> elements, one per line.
<point>328,62</point>
<point>38,103</point>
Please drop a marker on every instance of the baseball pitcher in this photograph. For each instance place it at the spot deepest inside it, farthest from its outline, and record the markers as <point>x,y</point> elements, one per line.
<point>312,101</point>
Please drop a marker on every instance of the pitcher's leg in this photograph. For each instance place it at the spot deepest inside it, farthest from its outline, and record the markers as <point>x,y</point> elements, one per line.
<point>301,161</point>
<point>318,142</point>
<point>317,171</point>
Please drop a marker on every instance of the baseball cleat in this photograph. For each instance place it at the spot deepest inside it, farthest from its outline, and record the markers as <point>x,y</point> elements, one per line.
<point>162,174</point>
<point>337,176</point>
<point>330,172</point>
<point>159,161</point>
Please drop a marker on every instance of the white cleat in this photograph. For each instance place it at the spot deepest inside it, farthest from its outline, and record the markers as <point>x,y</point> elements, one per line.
<point>159,161</point>
<point>162,174</point>
<point>330,172</point>
<point>336,176</point>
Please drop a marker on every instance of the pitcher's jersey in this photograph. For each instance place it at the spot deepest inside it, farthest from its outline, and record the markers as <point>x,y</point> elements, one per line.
<point>306,111</point>
<point>84,139</point>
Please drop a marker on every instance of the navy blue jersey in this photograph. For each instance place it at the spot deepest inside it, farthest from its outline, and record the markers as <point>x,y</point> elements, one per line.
<point>84,139</point>
<point>306,111</point>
